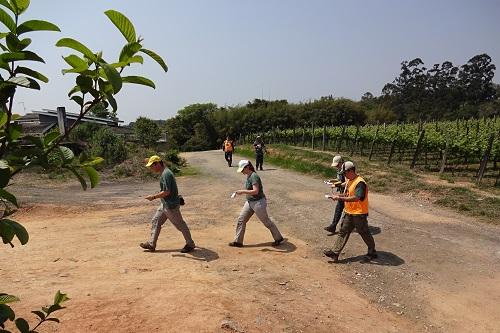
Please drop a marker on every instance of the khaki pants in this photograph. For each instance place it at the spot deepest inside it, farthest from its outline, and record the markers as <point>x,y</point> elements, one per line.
<point>174,215</point>
<point>350,222</point>
<point>258,207</point>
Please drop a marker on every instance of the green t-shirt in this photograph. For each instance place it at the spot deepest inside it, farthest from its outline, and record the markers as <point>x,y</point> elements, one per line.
<point>251,180</point>
<point>168,183</point>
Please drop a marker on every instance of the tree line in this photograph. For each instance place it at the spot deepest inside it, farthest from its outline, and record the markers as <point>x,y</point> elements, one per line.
<point>441,92</point>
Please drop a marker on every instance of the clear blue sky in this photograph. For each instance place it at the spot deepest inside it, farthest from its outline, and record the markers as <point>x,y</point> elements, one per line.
<point>229,52</point>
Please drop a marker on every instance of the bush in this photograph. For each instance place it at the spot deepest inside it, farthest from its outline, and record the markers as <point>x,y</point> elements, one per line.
<point>108,145</point>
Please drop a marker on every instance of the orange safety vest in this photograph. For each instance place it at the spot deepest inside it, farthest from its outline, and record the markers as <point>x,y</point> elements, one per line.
<point>356,207</point>
<point>228,146</point>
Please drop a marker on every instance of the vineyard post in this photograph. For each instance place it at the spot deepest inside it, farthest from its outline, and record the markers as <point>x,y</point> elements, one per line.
<point>484,160</point>
<point>312,136</point>
<point>417,150</point>
<point>324,137</point>
<point>339,142</point>
<point>445,153</point>
<point>393,147</point>
<point>373,143</point>
<point>355,142</point>
<point>303,135</point>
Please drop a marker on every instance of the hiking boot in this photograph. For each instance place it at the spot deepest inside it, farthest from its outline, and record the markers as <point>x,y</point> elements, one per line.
<point>187,248</point>
<point>331,254</point>
<point>147,246</point>
<point>235,244</point>
<point>331,229</point>
<point>278,242</point>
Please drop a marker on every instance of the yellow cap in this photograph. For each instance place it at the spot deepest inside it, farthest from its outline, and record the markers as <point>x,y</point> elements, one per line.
<point>153,159</point>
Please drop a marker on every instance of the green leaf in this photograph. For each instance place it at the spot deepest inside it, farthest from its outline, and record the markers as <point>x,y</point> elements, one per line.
<point>77,46</point>
<point>40,314</point>
<point>85,162</point>
<point>113,77</point>
<point>16,45</point>
<point>32,73</point>
<point>85,83</point>
<point>15,131</point>
<point>22,325</point>
<point>123,24</point>
<point>4,34</point>
<point>93,176</point>
<point>3,118</point>
<point>129,50</point>
<point>8,196</point>
<point>6,4</point>
<point>17,229</point>
<point>25,82</point>
<point>19,56</point>
<point>78,176</point>
<point>7,21</point>
<point>77,99</point>
<point>79,70</point>
<point>60,298</point>
<point>6,313</point>
<point>50,137</point>
<point>139,80</point>
<point>4,176</point>
<point>112,101</point>
<point>156,58</point>
<point>6,232</point>
<point>74,90</point>
<point>66,154</point>
<point>20,5</point>
<point>53,319</point>
<point>134,59</point>
<point>76,62</point>
<point>4,299</point>
<point>36,25</point>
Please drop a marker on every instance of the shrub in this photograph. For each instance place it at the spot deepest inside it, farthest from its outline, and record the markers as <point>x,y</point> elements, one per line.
<point>109,146</point>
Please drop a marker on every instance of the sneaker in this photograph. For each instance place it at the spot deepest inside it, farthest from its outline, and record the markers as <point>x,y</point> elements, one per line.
<point>278,242</point>
<point>187,248</point>
<point>147,246</point>
<point>331,254</point>
<point>331,229</point>
<point>372,255</point>
<point>235,244</point>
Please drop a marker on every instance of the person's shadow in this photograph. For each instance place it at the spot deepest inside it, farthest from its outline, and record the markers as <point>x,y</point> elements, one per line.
<point>199,253</point>
<point>384,259</point>
<point>285,247</point>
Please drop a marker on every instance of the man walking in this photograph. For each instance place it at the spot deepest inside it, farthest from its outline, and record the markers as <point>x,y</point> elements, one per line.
<point>259,152</point>
<point>339,184</point>
<point>169,207</point>
<point>356,213</point>
<point>228,148</point>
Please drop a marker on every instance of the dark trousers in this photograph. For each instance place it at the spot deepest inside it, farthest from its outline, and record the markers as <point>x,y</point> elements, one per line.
<point>360,222</point>
<point>259,161</point>
<point>339,208</point>
<point>228,155</point>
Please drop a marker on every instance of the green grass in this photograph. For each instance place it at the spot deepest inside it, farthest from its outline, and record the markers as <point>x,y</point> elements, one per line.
<point>393,179</point>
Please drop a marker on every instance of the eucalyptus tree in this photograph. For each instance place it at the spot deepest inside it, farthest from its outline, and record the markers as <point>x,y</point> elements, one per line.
<point>97,83</point>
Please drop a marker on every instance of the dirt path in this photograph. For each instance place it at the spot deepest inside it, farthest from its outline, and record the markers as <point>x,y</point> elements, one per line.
<point>437,272</point>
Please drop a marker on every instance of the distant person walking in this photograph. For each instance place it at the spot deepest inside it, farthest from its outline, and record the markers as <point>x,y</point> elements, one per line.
<point>339,185</point>
<point>356,213</point>
<point>169,207</point>
<point>256,203</point>
<point>228,147</point>
<point>259,147</point>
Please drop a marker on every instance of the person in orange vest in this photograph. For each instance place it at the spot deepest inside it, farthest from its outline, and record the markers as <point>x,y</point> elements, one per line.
<point>228,148</point>
<point>355,199</point>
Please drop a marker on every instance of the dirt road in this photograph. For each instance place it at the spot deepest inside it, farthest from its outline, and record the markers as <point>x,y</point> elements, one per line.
<point>437,271</point>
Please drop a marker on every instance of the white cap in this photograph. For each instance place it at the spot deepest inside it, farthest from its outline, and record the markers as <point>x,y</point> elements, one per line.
<point>242,164</point>
<point>336,160</point>
<point>347,166</point>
